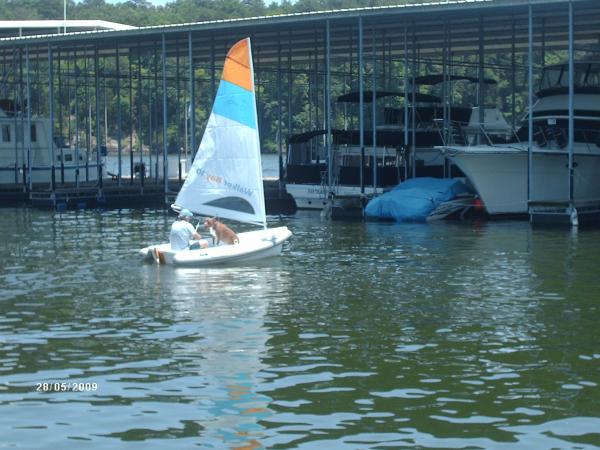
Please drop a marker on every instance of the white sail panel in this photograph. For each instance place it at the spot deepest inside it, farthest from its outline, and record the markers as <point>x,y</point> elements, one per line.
<point>225,179</point>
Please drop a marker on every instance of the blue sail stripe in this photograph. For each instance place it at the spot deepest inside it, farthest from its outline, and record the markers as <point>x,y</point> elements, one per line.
<point>235,103</point>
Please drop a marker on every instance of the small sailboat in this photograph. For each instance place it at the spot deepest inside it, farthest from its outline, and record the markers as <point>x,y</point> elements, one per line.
<point>225,179</point>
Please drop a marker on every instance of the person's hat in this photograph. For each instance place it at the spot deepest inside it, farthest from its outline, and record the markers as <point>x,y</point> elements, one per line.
<point>185,213</point>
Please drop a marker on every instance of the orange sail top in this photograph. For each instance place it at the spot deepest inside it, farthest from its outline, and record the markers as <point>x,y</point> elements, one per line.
<point>237,65</point>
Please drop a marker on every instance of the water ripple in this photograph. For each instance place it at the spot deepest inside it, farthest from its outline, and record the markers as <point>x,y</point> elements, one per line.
<point>361,335</point>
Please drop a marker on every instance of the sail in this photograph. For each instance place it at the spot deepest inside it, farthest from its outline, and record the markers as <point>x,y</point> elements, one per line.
<point>225,179</point>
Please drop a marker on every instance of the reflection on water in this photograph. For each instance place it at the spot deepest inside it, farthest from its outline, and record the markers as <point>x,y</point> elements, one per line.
<point>221,312</point>
<point>361,335</point>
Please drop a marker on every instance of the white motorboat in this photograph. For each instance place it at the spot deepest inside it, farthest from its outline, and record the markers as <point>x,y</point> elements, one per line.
<point>498,169</point>
<point>24,155</point>
<point>225,179</point>
<point>307,177</point>
<point>253,246</point>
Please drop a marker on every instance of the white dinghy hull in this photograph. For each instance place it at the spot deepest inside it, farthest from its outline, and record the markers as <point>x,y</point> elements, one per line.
<point>253,246</point>
<point>225,180</point>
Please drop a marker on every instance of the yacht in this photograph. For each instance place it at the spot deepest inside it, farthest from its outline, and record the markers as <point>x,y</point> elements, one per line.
<point>22,156</point>
<point>498,167</point>
<point>307,177</point>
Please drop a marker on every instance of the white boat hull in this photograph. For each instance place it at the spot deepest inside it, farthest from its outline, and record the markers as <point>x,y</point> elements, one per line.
<point>313,196</point>
<point>32,160</point>
<point>499,175</point>
<point>44,174</point>
<point>253,246</point>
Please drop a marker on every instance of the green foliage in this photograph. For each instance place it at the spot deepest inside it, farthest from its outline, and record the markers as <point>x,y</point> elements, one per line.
<point>297,97</point>
<point>142,12</point>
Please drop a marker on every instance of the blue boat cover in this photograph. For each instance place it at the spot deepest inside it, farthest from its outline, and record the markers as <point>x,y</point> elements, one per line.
<point>413,199</point>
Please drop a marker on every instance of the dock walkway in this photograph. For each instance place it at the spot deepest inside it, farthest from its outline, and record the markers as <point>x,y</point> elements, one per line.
<point>150,194</point>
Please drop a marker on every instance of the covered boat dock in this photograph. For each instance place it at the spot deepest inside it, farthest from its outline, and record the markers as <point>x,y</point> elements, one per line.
<point>135,101</point>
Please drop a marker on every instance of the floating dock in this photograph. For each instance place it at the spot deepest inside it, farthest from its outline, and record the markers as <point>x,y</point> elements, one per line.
<point>349,207</point>
<point>564,214</point>
<point>123,195</point>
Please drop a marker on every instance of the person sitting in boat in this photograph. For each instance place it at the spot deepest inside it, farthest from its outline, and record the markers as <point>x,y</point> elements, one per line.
<point>182,232</point>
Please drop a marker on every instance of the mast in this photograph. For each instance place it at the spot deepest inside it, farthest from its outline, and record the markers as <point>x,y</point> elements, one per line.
<point>261,189</point>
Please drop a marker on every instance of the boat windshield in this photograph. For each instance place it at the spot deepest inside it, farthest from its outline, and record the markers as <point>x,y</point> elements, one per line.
<point>586,75</point>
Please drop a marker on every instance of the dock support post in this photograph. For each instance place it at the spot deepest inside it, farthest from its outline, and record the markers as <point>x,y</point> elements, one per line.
<point>212,67</point>
<point>76,101</point>
<point>373,108</point>
<point>445,98</point>
<point>316,82</point>
<point>88,117</point>
<point>192,112</point>
<point>18,93</point>
<point>164,88</point>
<point>290,86</point>
<point>513,80</point>
<point>406,83</point>
<point>70,71</point>
<point>178,114</point>
<point>328,104</point>
<point>309,76</point>
<point>131,168</point>
<point>139,115</point>
<point>361,121</point>
<point>571,105</point>
<point>155,117</point>
<point>413,88</point>
<point>118,94</point>
<point>348,76</point>
<point>543,49</point>
<point>60,120</point>
<point>97,112</point>
<point>481,84</point>
<point>151,169</point>
<point>279,116</point>
<point>29,172</point>
<point>530,101</point>
<point>4,76</point>
<point>51,114</point>
<point>349,124</point>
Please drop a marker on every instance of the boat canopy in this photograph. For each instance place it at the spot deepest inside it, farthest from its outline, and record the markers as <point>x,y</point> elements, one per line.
<point>354,97</point>
<point>555,78</point>
<point>431,80</point>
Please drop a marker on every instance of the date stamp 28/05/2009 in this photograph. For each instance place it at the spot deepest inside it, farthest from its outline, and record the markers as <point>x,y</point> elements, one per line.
<point>69,386</point>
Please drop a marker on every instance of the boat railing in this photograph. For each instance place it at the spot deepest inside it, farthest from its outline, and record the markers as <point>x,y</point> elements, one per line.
<point>556,137</point>
<point>452,134</point>
<point>327,189</point>
<point>544,136</point>
<point>20,170</point>
<point>457,133</point>
<point>475,134</point>
<point>591,138</point>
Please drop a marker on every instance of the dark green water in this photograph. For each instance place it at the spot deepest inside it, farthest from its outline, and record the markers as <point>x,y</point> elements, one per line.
<point>360,336</point>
